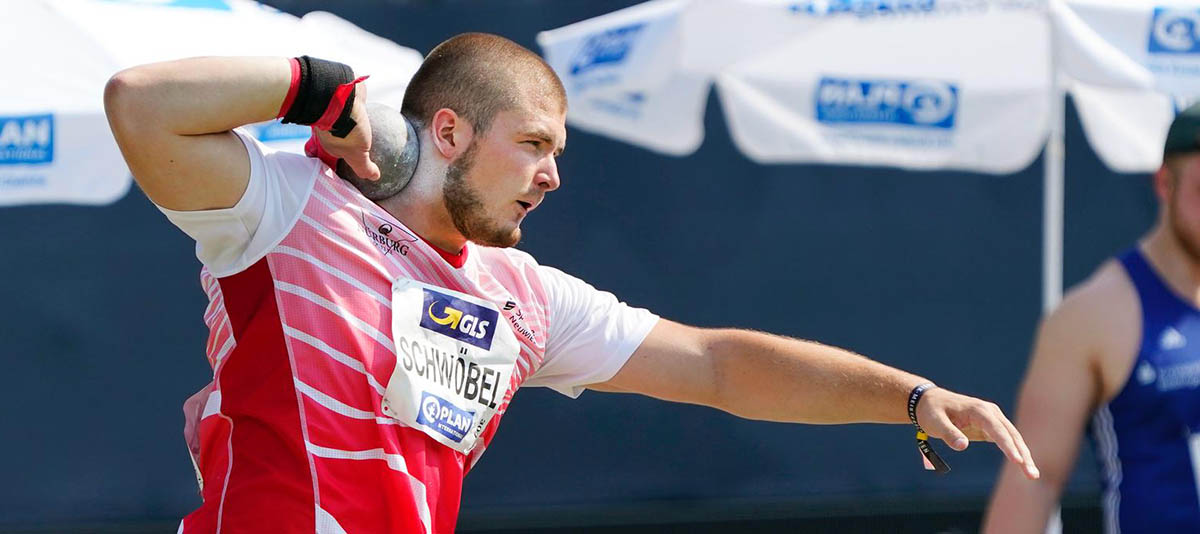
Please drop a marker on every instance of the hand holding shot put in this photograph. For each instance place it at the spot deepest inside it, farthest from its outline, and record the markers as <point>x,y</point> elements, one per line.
<point>370,319</point>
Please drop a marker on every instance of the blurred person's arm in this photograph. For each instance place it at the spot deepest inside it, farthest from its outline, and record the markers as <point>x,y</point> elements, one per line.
<point>1067,378</point>
<point>172,122</point>
<point>766,377</point>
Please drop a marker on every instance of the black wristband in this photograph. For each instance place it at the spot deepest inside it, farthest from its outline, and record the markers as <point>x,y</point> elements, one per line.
<point>914,397</point>
<point>935,462</point>
<point>319,79</point>
<point>344,124</point>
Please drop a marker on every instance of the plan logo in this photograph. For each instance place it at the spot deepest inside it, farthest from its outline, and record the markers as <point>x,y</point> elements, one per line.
<point>459,319</point>
<point>1174,31</point>
<point>920,103</point>
<point>444,417</point>
<point>26,139</point>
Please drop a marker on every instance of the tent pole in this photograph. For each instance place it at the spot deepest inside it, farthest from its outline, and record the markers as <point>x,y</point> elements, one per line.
<point>1053,196</point>
<point>1053,204</point>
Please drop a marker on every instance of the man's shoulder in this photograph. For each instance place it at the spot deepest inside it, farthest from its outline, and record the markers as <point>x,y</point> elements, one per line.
<point>1106,291</point>
<point>1101,315</point>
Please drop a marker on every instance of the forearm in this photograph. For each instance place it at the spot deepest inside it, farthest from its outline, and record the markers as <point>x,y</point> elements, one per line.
<point>198,95</point>
<point>1021,505</point>
<point>761,376</point>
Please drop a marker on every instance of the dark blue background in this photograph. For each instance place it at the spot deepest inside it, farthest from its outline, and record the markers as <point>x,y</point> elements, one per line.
<point>935,272</point>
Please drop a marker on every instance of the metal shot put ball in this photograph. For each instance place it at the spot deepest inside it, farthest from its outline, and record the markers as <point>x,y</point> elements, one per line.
<point>394,148</point>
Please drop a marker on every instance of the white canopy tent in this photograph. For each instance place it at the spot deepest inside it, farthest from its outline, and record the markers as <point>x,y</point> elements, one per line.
<point>975,85</point>
<point>55,144</point>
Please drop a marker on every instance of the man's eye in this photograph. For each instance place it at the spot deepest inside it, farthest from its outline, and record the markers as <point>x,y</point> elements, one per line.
<point>536,144</point>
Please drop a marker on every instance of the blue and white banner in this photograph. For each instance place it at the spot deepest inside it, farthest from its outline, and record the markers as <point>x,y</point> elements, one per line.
<point>1129,67</point>
<point>923,84</point>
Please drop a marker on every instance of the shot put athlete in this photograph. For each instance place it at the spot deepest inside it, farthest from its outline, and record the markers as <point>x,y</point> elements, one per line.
<point>365,350</point>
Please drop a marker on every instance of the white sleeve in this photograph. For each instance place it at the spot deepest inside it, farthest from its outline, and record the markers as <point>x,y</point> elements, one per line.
<point>230,240</point>
<point>591,334</point>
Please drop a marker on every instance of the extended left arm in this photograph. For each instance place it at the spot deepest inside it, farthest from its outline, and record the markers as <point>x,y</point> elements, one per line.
<point>762,376</point>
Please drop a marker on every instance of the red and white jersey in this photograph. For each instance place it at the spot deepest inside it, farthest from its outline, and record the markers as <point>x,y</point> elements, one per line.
<point>358,374</point>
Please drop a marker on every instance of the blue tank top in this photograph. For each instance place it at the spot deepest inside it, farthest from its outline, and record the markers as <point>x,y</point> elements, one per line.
<point>1147,438</point>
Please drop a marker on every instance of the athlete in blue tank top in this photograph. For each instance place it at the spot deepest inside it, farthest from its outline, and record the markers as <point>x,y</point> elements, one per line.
<point>1147,438</point>
<point>1123,350</point>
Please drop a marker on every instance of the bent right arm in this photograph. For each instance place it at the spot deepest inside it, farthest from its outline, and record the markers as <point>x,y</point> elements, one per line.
<point>172,121</point>
<point>1062,387</point>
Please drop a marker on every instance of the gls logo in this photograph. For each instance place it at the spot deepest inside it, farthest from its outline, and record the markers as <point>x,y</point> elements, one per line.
<point>609,47</point>
<point>26,139</point>
<point>913,103</point>
<point>459,319</point>
<point>1174,31</point>
<point>445,418</point>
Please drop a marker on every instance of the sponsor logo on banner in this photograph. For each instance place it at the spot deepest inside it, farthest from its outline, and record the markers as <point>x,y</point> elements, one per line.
<point>863,8</point>
<point>898,8</point>
<point>609,47</point>
<point>593,64</point>
<point>924,103</point>
<point>1174,31</point>
<point>459,319</point>
<point>1174,48</point>
<point>444,417</point>
<point>627,105</point>
<point>220,5</point>
<point>26,139</point>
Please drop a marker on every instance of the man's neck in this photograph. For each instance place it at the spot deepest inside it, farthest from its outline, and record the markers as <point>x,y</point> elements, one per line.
<point>428,219</point>
<point>1169,257</point>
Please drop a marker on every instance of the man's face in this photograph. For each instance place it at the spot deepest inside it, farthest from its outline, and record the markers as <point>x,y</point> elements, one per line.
<point>504,174</point>
<point>1183,204</point>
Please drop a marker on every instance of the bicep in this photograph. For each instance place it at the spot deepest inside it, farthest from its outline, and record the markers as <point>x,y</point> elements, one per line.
<point>1060,390</point>
<point>672,364</point>
<point>177,171</point>
<point>1058,394</point>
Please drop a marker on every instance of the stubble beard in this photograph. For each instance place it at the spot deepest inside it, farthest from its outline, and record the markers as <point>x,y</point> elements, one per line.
<point>467,210</point>
<point>1187,242</point>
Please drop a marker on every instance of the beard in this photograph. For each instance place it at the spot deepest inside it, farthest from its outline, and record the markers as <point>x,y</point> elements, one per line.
<point>466,208</point>
<point>1187,240</point>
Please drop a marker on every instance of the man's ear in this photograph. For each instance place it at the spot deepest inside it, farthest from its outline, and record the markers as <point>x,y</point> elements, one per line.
<point>1164,182</point>
<point>451,133</point>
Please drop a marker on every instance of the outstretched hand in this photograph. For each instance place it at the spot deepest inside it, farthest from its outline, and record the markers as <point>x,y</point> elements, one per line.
<point>356,146</point>
<point>958,419</point>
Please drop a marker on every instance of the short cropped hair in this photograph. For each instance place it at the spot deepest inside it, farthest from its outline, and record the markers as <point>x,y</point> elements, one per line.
<point>479,75</point>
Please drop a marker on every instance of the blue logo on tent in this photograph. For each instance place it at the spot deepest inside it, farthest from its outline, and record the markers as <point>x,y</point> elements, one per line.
<point>609,47</point>
<point>444,417</point>
<point>26,139</point>
<point>862,8</point>
<point>923,103</point>
<point>220,5</point>
<point>1174,31</point>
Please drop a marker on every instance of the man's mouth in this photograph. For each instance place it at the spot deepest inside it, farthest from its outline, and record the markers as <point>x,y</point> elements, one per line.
<point>527,205</point>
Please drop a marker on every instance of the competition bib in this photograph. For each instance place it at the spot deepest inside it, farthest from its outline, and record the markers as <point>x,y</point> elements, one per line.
<point>454,362</point>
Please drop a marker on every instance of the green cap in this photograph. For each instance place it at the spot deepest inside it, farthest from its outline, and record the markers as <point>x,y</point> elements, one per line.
<point>1184,133</point>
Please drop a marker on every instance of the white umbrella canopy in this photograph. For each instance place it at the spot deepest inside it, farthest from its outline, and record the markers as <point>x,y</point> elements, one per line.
<point>916,84</point>
<point>1129,66</point>
<point>55,145</point>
